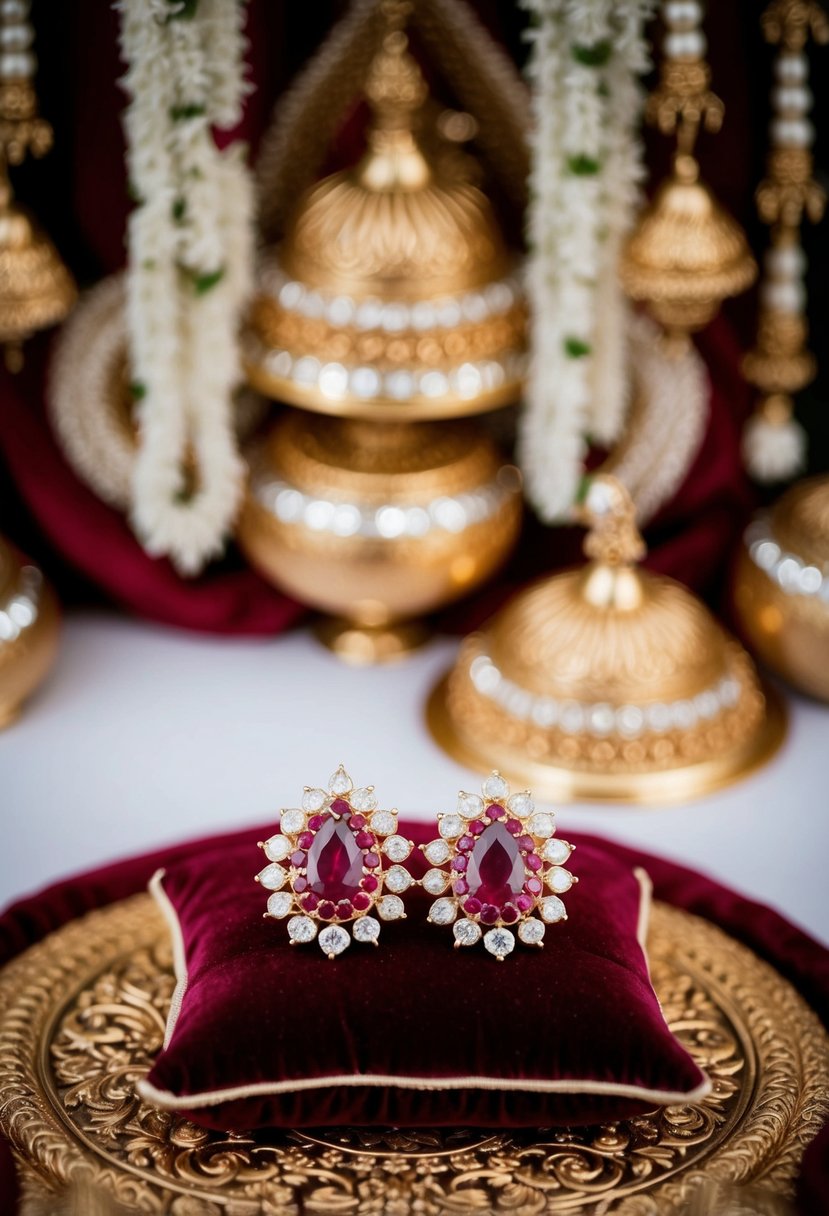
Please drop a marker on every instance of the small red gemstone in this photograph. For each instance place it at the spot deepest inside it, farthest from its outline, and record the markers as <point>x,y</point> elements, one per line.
<point>371,861</point>
<point>365,840</point>
<point>460,863</point>
<point>327,910</point>
<point>526,843</point>
<point>532,861</point>
<point>369,883</point>
<point>316,822</point>
<point>310,902</point>
<point>357,822</point>
<point>460,886</point>
<point>340,807</point>
<point>361,901</point>
<point>298,859</point>
<point>509,914</point>
<point>472,906</point>
<point>494,811</point>
<point>515,826</point>
<point>489,914</point>
<point>344,909</point>
<point>466,843</point>
<point>524,902</point>
<point>476,827</point>
<point>533,886</point>
<point>300,884</point>
<point>305,840</point>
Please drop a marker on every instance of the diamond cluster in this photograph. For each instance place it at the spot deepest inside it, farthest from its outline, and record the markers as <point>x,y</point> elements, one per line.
<point>787,570</point>
<point>326,865</point>
<point>504,867</point>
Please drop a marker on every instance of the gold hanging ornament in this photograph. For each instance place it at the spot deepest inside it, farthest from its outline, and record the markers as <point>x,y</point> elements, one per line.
<point>28,631</point>
<point>686,254</point>
<point>36,289</point>
<point>780,364</point>
<point>607,682</point>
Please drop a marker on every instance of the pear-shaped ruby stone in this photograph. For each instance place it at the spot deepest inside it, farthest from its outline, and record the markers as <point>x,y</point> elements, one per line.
<point>334,866</point>
<point>495,872</point>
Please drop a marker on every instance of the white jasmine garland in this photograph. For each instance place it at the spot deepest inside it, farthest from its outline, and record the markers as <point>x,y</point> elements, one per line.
<point>586,164</point>
<point>190,251</point>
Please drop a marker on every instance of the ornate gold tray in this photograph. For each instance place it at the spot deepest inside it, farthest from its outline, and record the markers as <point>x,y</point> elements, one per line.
<point>82,1015</point>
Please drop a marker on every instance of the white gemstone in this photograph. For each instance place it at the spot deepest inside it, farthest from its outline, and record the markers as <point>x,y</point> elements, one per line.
<point>318,515</point>
<point>365,382</point>
<point>541,824</point>
<point>370,313</point>
<point>519,703</point>
<point>450,826</point>
<point>366,929</point>
<point>291,295</point>
<point>552,909</point>
<point>729,691</point>
<point>340,782</point>
<point>397,879</point>
<point>474,307</point>
<point>279,905</point>
<point>467,932</point>
<point>292,821</point>
<point>572,718</point>
<point>630,721</point>
<point>390,522</point>
<point>340,310</point>
<point>449,313</point>
<point>272,878</point>
<point>346,520</point>
<point>289,505</point>
<point>449,514</point>
<point>658,717</point>
<point>333,940</point>
<point>313,800</point>
<point>418,522</point>
<point>559,880</point>
<point>435,881</point>
<point>557,851</point>
<point>545,712</point>
<point>8,630</point>
<point>521,804</point>
<point>306,370</point>
<point>433,384</point>
<point>395,318</point>
<point>443,912</point>
<point>499,296</point>
<point>333,381</point>
<point>766,554</point>
<point>707,704</point>
<point>278,848</point>
<point>383,823</point>
<point>485,675</point>
<point>363,800</point>
<point>423,315</point>
<point>301,929</point>
<point>397,848</point>
<point>470,806</point>
<point>391,908</point>
<point>467,380</point>
<point>792,67</point>
<point>810,580</point>
<point>499,942</point>
<point>531,931</point>
<point>22,611</point>
<point>400,385</point>
<point>495,787</point>
<point>684,715</point>
<point>437,851</point>
<point>312,305</point>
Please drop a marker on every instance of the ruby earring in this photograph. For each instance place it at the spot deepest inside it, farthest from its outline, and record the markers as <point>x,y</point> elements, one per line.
<point>500,865</point>
<point>325,870</point>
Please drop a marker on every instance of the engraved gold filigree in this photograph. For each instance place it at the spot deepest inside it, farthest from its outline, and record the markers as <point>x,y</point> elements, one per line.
<point>83,1016</point>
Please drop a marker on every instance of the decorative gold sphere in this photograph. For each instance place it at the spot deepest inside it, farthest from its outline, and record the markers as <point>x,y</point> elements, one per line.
<point>392,295</point>
<point>607,682</point>
<point>781,587</point>
<point>378,525</point>
<point>28,632</point>
<point>686,254</point>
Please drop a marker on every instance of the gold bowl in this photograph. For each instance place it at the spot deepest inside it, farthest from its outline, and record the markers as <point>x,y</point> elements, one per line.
<point>392,295</point>
<point>28,632</point>
<point>378,525</point>
<point>781,587</point>
<point>607,682</point>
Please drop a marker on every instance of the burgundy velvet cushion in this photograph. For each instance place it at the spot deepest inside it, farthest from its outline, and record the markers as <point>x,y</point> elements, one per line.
<point>414,1032</point>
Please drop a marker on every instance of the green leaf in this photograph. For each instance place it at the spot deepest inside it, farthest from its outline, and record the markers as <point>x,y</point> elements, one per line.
<point>583,490</point>
<point>138,390</point>
<point>204,282</point>
<point>182,10</point>
<point>187,110</point>
<point>595,56</point>
<point>583,166</point>
<point>576,348</point>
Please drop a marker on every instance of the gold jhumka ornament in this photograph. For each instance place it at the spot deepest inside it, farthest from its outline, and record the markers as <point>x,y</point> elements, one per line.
<point>607,682</point>
<point>686,254</point>
<point>390,303</point>
<point>28,632</point>
<point>36,289</point>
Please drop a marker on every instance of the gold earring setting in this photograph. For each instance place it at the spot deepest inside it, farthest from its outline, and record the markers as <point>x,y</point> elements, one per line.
<point>500,864</point>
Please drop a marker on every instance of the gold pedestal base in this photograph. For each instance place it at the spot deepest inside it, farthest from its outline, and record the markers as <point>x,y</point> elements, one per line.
<point>560,784</point>
<point>362,645</point>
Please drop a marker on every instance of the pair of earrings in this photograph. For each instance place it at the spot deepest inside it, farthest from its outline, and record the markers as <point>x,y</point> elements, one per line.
<point>496,865</point>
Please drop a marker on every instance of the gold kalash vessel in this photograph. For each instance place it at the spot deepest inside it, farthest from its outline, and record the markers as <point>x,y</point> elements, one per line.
<point>607,682</point>
<point>390,312</point>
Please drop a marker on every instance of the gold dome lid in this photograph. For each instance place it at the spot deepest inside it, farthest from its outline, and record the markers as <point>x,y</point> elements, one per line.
<point>392,290</point>
<point>607,682</point>
<point>686,253</point>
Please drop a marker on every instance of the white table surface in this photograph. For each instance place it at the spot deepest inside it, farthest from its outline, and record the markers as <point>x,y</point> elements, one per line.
<point>145,736</point>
